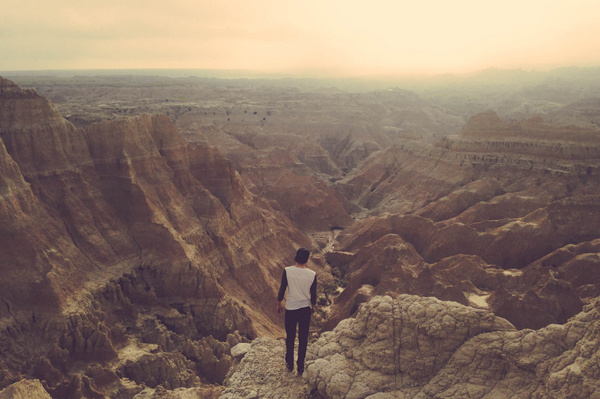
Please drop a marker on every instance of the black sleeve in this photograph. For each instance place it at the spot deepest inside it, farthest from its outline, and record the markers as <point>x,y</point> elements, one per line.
<point>313,292</point>
<point>282,287</point>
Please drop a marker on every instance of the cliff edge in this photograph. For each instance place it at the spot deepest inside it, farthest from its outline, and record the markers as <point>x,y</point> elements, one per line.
<point>417,347</point>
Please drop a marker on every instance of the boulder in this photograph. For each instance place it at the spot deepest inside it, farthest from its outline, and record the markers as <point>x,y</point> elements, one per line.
<point>25,389</point>
<point>393,343</point>
<point>240,350</point>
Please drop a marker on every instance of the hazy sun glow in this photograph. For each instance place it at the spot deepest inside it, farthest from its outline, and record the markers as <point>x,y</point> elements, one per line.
<point>333,36</point>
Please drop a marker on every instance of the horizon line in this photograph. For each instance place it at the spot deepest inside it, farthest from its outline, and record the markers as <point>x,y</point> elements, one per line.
<point>297,74</point>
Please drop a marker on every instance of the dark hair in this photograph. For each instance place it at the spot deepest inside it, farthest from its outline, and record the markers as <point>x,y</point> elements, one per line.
<point>302,256</point>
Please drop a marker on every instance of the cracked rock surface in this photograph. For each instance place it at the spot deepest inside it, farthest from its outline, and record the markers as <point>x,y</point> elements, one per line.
<point>394,343</point>
<point>417,347</point>
<point>262,374</point>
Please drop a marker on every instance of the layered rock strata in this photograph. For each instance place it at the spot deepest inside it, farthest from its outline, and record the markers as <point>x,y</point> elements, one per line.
<point>502,200</point>
<point>135,240</point>
<point>121,249</point>
<point>535,270</point>
<point>487,147</point>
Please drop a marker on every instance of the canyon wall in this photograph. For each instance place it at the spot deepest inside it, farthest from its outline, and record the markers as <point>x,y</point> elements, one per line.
<point>135,257</point>
<point>125,247</point>
<point>483,218</point>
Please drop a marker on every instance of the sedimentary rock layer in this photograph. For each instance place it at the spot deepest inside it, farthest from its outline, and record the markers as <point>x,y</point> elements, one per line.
<point>500,200</point>
<point>122,246</point>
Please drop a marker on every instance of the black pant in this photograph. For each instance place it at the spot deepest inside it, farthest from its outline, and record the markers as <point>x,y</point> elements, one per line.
<point>300,317</point>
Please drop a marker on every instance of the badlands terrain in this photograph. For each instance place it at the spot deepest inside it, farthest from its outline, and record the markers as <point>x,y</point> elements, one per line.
<point>454,226</point>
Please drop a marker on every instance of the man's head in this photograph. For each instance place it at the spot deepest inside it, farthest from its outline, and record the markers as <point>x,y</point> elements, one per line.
<point>302,256</point>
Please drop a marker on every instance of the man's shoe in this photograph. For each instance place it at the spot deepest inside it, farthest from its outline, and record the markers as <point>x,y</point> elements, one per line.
<point>290,366</point>
<point>300,371</point>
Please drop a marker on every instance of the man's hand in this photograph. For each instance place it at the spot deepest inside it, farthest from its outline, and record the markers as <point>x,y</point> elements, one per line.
<point>279,308</point>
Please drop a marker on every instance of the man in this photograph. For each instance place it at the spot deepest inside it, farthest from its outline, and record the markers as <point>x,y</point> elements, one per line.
<point>301,283</point>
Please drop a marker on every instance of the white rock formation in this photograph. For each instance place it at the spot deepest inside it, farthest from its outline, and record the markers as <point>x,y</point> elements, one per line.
<point>262,374</point>
<point>393,344</point>
<point>416,347</point>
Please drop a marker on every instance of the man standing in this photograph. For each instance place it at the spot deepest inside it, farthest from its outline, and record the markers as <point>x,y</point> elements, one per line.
<point>301,283</point>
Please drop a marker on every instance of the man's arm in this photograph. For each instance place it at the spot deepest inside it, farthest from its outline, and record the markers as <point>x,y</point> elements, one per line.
<point>282,288</point>
<point>313,292</point>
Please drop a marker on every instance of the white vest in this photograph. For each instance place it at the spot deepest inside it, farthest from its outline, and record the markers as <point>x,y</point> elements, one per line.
<point>299,281</point>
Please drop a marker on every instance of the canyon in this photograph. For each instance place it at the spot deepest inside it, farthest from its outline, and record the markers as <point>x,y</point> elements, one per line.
<point>145,223</point>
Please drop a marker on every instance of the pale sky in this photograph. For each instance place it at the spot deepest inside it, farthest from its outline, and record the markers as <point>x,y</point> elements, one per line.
<point>349,37</point>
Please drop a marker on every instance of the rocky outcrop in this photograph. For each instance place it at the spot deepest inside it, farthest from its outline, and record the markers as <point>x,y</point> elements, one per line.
<point>416,347</point>
<point>393,344</point>
<point>25,389</point>
<point>262,374</point>
<point>421,347</point>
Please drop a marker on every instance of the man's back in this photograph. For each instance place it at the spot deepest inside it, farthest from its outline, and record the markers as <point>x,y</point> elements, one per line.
<point>300,280</point>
